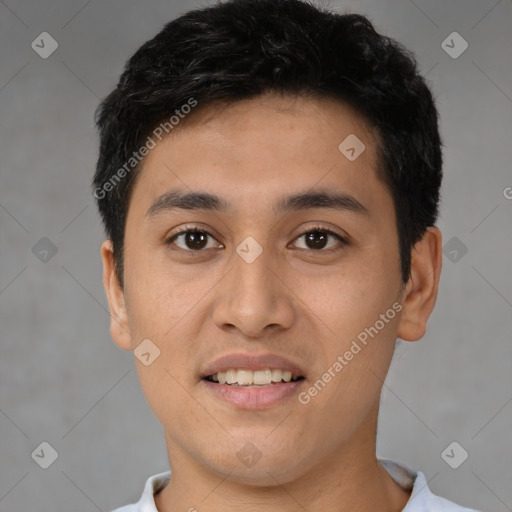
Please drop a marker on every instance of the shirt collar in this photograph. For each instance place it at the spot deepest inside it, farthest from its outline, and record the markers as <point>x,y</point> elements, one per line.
<point>405,477</point>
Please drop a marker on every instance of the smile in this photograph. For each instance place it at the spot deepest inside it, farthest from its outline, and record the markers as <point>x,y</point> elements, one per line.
<point>255,378</point>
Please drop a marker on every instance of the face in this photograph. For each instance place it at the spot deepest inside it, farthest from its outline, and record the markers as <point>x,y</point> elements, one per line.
<point>296,257</point>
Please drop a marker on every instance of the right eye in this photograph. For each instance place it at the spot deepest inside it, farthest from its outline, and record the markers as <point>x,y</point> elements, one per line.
<point>192,239</point>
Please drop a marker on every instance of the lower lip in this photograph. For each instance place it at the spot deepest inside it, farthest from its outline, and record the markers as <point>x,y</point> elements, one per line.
<point>254,398</point>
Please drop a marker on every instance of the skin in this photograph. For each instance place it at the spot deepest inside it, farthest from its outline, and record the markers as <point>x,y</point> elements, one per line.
<point>303,302</point>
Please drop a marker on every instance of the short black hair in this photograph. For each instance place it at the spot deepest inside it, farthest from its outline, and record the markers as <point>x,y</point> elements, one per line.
<point>240,49</point>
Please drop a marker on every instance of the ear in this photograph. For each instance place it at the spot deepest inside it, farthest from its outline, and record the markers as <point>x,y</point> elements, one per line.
<point>420,293</point>
<point>119,327</point>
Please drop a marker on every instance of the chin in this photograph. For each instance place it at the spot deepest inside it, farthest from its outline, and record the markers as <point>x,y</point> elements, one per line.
<point>268,475</point>
<point>267,467</point>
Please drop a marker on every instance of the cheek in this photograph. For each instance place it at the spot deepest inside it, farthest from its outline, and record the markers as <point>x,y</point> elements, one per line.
<point>161,294</point>
<point>167,392</point>
<point>345,300</point>
<point>355,345</point>
<point>345,308</point>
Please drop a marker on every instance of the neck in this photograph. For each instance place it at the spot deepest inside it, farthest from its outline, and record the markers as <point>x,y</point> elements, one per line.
<point>349,479</point>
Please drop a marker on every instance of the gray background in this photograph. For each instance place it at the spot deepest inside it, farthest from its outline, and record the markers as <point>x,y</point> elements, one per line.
<point>62,380</point>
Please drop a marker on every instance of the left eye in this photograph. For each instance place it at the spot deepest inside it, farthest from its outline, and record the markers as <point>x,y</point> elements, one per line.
<point>318,239</point>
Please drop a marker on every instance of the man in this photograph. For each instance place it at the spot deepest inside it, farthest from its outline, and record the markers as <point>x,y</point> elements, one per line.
<point>269,178</point>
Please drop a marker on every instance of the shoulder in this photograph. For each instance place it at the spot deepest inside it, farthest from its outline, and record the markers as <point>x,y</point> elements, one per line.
<point>146,503</point>
<point>422,499</point>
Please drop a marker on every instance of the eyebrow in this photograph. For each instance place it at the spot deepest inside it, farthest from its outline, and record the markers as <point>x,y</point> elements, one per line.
<point>176,199</point>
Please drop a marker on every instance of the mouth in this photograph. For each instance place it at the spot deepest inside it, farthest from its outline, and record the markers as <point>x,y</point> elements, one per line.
<point>245,378</point>
<point>252,381</point>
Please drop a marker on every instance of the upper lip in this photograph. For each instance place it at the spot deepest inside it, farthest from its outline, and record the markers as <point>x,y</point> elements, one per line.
<point>252,362</point>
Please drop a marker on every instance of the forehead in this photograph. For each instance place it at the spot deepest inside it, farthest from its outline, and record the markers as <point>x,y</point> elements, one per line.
<point>252,151</point>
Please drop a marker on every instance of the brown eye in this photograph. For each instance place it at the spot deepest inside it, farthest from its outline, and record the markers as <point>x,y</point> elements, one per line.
<point>192,240</point>
<point>318,239</point>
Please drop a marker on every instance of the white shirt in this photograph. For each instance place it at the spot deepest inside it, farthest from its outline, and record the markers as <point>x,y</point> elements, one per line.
<point>421,499</point>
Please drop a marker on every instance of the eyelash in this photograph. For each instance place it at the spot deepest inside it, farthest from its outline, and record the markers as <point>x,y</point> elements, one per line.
<point>313,229</point>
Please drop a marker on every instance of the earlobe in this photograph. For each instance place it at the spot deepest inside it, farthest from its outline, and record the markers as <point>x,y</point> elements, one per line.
<point>119,327</point>
<point>420,294</point>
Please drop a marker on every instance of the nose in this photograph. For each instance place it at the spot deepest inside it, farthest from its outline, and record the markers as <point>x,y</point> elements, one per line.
<point>254,298</point>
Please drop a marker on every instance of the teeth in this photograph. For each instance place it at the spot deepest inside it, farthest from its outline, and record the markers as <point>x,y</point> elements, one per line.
<point>261,377</point>
<point>231,377</point>
<point>244,377</point>
<point>249,378</point>
<point>277,375</point>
